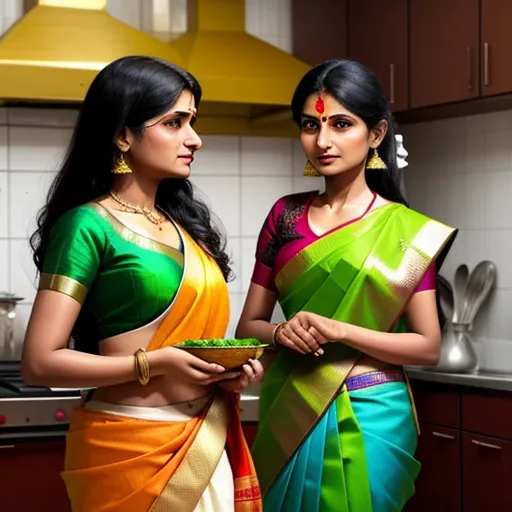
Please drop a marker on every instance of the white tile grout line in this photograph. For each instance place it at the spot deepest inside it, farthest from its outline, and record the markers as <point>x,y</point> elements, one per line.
<point>240,226</point>
<point>8,201</point>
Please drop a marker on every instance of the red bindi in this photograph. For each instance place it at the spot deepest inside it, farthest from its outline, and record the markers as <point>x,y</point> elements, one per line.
<point>320,105</point>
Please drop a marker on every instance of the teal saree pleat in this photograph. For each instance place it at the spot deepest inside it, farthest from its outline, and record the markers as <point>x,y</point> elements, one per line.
<point>335,481</point>
<point>315,470</point>
<point>389,434</point>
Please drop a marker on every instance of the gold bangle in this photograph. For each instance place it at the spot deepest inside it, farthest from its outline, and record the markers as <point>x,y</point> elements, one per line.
<point>275,333</point>
<point>141,366</point>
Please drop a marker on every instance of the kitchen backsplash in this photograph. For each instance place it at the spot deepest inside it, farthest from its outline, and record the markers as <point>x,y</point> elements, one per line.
<point>460,172</point>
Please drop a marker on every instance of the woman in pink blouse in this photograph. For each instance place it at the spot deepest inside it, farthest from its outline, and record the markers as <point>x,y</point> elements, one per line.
<point>354,270</point>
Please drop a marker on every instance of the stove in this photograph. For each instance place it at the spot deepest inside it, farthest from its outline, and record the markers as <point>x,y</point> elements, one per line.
<point>32,411</point>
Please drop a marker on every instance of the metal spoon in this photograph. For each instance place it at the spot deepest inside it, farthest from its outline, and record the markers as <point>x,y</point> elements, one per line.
<point>479,285</point>
<point>459,292</point>
<point>446,296</point>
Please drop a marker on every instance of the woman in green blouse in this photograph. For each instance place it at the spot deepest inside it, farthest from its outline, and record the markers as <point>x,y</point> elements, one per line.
<point>131,264</point>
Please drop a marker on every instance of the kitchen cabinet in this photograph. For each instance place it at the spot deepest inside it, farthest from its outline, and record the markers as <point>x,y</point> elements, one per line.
<point>434,59</point>
<point>437,404</point>
<point>30,477</point>
<point>319,30</point>
<point>378,38</point>
<point>444,47</point>
<point>439,483</point>
<point>438,486</point>
<point>496,47</point>
<point>488,413</point>
<point>487,464</point>
<point>465,448</point>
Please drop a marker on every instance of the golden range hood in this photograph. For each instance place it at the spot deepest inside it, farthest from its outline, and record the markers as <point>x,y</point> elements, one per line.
<point>53,52</point>
<point>244,79</point>
<point>51,55</point>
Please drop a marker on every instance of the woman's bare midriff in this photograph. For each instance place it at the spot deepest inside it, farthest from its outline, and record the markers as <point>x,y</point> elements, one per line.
<point>159,391</point>
<point>369,364</point>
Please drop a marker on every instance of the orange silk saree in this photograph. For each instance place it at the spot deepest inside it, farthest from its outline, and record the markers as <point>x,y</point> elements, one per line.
<point>117,463</point>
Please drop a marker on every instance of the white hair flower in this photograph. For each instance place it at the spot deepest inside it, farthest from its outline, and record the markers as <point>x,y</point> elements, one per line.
<point>401,152</point>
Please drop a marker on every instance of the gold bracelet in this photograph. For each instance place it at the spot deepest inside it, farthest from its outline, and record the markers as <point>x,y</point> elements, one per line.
<point>275,333</point>
<point>141,366</point>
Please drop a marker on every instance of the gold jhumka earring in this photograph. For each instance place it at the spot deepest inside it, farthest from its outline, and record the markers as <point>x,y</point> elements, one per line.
<point>310,170</point>
<point>376,162</point>
<point>121,167</point>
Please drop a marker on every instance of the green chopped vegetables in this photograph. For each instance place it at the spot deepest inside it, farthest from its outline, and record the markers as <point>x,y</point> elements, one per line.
<point>221,343</point>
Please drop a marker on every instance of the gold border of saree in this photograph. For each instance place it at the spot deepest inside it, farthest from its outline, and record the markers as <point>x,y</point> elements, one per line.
<point>63,284</point>
<point>187,485</point>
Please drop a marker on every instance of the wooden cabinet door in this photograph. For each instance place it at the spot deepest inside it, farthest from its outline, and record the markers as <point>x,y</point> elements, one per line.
<point>487,473</point>
<point>496,50</point>
<point>438,404</point>
<point>438,484</point>
<point>30,477</point>
<point>444,47</point>
<point>319,30</point>
<point>250,432</point>
<point>497,420</point>
<point>378,38</point>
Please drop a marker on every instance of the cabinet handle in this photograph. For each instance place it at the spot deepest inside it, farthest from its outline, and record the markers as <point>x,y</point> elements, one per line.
<point>486,64</point>
<point>444,436</point>
<point>6,446</point>
<point>391,84</point>
<point>486,445</point>
<point>469,67</point>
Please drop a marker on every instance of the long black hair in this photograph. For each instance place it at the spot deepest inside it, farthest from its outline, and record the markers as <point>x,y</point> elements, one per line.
<point>126,94</point>
<point>357,88</point>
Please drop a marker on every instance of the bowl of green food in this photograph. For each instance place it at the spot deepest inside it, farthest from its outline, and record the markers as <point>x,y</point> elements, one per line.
<point>229,353</point>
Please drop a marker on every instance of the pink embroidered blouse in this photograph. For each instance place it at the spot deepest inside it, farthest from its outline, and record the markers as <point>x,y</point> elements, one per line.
<point>286,231</point>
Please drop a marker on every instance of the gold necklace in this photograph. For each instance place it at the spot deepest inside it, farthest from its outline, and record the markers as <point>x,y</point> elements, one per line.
<point>130,208</point>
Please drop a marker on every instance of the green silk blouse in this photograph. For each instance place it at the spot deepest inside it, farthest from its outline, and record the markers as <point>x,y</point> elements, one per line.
<point>122,279</point>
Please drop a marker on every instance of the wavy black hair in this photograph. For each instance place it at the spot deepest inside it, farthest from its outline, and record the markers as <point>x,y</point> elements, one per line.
<point>357,88</point>
<point>126,94</point>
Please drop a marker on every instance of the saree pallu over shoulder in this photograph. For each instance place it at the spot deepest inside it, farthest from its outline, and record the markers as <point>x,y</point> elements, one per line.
<point>363,274</point>
<point>201,307</point>
<point>119,463</point>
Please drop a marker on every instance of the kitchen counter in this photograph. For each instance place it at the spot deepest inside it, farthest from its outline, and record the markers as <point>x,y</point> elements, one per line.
<point>485,380</point>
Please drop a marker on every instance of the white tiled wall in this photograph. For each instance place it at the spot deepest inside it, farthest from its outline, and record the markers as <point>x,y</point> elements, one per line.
<point>31,145</point>
<point>460,172</point>
<point>240,177</point>
<point>10,11</point>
